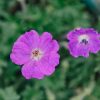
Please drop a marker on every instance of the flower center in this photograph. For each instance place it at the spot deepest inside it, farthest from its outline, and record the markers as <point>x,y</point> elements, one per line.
<point>36,54</point>
<point>84,39</point>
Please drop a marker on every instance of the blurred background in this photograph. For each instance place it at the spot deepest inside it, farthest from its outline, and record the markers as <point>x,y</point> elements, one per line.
<point>74,79</point>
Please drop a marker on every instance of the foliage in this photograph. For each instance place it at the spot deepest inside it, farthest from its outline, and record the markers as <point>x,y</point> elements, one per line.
<point>73,75</point>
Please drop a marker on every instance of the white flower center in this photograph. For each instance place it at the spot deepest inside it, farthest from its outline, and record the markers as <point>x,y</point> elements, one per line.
<point>78,28</point>
<point>36,54</point>
<point>83,39</point>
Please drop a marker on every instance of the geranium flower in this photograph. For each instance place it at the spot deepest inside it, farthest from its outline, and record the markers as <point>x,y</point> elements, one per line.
<point>82,41</point>
<point>38,55</point>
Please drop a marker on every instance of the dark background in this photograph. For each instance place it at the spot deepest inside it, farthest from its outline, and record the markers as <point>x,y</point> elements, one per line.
<point>74,78</point>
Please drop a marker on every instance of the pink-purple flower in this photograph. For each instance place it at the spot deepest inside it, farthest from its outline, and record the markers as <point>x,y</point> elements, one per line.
<point>82,41</point>
<point>38,55</point>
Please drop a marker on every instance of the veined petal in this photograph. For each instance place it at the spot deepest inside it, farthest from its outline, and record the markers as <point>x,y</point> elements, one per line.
<point>94,45</point>
<point>72,35</point>
<point>30,38</point>
<point>20,53</point>
<point>30,70</point>
<point>45,66</point>
<point>47,44</point>
<point>77,49</point>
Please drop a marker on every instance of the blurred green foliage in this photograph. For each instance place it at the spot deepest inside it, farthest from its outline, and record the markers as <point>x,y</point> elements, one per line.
<point>74,79</point>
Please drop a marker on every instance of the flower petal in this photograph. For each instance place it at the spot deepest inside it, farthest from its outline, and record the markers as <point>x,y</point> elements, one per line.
<point>20,53</point>
<point>91,31</point>
<point>47,44</point>
<point>21,48</point>
<point>45,67</point>
<point>30,38</point>
<point>72,35</point>
<point>54,59</point>
<point>30,70</point>
<point>77,49</point>
<point>94,45</point>
<point>83,50</point>
<point>45,40</point>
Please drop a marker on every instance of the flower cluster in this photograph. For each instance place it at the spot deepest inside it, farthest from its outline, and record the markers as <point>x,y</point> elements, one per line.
<point>38,54</point>
<point>82,41</point>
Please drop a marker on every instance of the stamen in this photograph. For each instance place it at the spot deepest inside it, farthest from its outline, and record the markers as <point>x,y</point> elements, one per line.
<point>84,39</point>
<point>36,54</point>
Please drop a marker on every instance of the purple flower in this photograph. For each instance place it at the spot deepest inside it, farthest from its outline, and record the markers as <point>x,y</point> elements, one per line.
<point>37,54</point>
<point>82,41</point>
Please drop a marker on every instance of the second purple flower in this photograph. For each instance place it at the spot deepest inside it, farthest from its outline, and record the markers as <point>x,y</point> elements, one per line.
<point>82,41</point>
